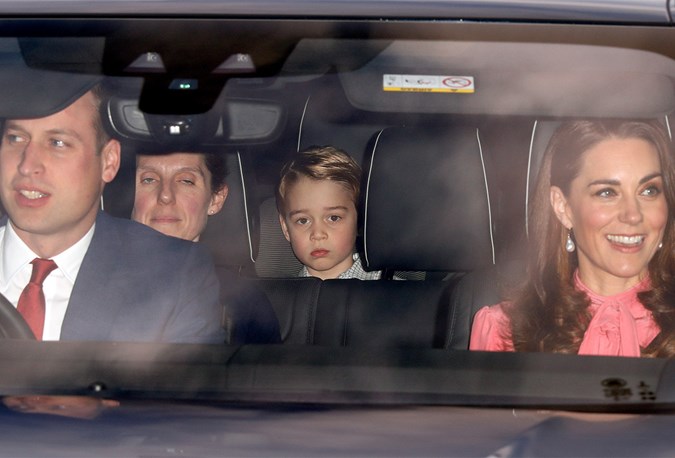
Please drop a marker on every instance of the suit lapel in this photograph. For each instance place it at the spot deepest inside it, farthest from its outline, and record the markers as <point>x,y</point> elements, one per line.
<point>89,310</point>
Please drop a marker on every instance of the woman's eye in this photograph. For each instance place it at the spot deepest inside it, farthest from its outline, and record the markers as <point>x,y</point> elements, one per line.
<point>651,191</point>
<point>186,181</point>
<point>147,180</point>
<point>607,192</point>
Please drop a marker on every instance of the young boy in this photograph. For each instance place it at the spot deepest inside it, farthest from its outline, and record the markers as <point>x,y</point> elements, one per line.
<point>317,198</point>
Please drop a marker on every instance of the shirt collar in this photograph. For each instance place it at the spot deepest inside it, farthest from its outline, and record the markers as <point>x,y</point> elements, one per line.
<point>17,254</point>
<point>628,297</point>
<point>305,273</point>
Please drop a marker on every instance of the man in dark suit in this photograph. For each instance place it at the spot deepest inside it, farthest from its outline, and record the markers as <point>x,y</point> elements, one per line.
<point>114,279</point>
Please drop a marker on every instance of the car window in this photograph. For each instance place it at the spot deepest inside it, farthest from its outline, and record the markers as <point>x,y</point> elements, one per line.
<point>360,190</point>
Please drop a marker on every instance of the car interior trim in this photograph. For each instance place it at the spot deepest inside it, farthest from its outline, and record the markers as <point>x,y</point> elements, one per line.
<point>487,196</point>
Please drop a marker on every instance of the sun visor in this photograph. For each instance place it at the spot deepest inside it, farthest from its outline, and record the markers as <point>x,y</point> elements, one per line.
<point>472,78</point>
<point>31,93</point>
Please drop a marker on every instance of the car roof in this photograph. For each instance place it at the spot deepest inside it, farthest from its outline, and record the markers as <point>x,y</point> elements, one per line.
<point>636,11</point>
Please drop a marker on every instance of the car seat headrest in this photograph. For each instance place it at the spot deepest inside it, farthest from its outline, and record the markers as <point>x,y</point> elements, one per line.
<point>426,201</point>
<point>231,234</point>
<point>542,131</point>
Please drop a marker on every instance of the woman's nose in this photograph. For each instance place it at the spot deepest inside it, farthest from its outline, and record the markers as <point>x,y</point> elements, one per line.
<point>631,212</point>
<point>166,194</point>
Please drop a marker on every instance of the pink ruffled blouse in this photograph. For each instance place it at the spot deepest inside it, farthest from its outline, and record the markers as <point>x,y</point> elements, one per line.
<point>620,325</point>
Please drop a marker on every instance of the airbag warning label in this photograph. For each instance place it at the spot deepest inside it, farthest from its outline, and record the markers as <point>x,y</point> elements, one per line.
<point>428,83</point>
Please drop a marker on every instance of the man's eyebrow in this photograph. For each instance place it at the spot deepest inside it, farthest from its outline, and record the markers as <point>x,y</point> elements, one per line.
<point>67,132</point>
<point>13,125</point>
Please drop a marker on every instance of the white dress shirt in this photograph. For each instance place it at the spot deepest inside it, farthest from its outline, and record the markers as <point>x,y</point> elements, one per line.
<point>16,269</point>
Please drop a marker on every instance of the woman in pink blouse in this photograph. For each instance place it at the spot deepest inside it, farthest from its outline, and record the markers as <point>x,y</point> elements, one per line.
<point>601,271</point>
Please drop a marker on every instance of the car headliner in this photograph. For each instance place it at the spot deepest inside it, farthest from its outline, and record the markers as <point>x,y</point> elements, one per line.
<point>644,11</point>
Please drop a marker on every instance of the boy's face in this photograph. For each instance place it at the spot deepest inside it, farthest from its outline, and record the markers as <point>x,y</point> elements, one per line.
<point>320,224</point>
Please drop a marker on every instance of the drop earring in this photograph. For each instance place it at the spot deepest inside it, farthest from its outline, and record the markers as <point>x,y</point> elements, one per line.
<point>569,244</point>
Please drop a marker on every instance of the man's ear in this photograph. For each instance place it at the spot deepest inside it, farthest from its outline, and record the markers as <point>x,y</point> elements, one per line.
<point>284,229</point>
<point>560,207</point>
<point>217,200</point>
<point>110,154</point>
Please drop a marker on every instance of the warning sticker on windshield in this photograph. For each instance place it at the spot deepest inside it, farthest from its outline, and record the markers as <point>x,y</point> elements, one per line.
<point>428,83</point>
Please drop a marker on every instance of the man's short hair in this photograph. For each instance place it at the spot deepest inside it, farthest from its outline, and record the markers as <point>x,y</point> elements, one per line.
<point>320,163</point>
<point>100,97</point>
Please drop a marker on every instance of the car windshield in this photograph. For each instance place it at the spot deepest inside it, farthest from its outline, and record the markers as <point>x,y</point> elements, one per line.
<point>310,207</point>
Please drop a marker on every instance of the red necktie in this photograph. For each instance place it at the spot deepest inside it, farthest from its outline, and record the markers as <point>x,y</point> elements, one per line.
<point>32,300</point>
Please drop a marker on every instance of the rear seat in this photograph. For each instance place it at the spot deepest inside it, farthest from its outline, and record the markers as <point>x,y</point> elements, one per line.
<point>452,239</point>
<point>398,234</point>
<point>426,201</point>
<point>295,302</point>
<point>383,313</point>
<point>232,238</point>
<point>231,235</point>
<point>425,208</point>
<point>338,127</point>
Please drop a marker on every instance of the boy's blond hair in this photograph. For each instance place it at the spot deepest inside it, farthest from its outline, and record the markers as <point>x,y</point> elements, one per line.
<point>320,163</point>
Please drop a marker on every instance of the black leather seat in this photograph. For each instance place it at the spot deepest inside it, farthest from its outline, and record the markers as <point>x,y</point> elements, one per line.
<point>232,234</point>
<point>426,203</point>
<point>426,208</point>
<point>339,126</point>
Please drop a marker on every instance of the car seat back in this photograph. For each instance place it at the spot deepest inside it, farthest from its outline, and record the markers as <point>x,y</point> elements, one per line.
<point>426,201</point>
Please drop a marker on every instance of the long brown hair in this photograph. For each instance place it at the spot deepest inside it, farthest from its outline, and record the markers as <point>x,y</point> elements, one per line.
<point>549,314</point>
